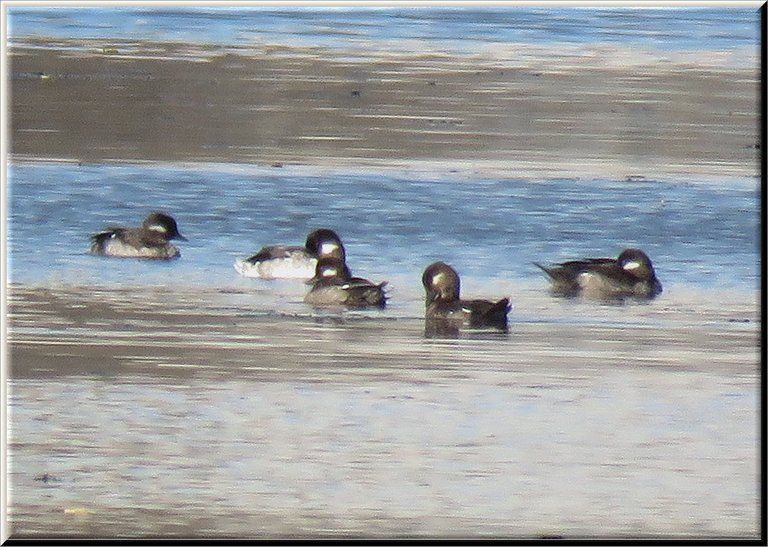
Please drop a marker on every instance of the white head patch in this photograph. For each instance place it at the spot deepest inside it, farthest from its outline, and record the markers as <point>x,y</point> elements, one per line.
<point>157,228</point>
<point>328,247</point>
<point>632,265</point>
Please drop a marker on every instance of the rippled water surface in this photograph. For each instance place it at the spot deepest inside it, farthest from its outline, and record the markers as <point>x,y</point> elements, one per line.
<point>181,399</point>
<point>402,29</point>
<point>698,233</point>
<point>178,399</point>
<point>525,452</point>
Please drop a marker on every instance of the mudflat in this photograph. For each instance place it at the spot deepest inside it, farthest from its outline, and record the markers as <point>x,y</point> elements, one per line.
<point>149,412</point>
<point>206,411</point>
<point>73,330</point>
<point>609,112</point>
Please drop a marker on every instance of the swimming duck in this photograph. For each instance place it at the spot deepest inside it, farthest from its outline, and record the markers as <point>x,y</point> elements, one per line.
<point>148,241</point>
<point>334,285</point>
<point>446,313</point>
<point>292,262</point>
<point>629,275</point>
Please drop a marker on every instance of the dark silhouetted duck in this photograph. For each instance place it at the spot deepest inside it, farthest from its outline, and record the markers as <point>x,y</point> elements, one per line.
<point>149,241</point>
<point>333,285</point>
<point>292,262</point>
<point>446,313</point>
<point>629,275</point>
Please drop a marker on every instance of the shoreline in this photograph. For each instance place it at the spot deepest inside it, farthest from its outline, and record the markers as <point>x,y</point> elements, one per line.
<point>517,112</point>
<point>179,402</point>
<point>420,167</point>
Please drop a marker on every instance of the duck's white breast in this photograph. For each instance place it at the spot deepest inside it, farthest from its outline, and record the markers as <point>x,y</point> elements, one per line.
<point>116,247</point>
<point>296,266</point>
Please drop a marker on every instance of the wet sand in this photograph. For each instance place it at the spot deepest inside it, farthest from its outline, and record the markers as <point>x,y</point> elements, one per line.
<point>206,412</point>
<point>605,112</point>
<point>158,330</point>
<point>196,417</point>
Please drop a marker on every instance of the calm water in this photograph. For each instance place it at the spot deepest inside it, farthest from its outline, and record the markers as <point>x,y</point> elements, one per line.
<point>182,399</point>
<point>402,29</point>
<point>456,452</point>
<point>613,421</point>
<point>699,234</point>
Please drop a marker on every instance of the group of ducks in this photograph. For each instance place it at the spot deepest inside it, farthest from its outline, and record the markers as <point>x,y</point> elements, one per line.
<point>321,262</point>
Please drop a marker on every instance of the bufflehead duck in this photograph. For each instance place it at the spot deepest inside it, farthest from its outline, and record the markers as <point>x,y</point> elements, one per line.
<point>333,285</point>
<point>629,275</point>
<point>292,262</point>
<point>446,313</point>
<point>149,241</point>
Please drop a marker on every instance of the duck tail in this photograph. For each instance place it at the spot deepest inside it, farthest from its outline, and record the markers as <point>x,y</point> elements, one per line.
<point>99,241</point>
<point>498,312</point>
<point>544,269</point>
<point>489,314</point>
<point>376,296</point>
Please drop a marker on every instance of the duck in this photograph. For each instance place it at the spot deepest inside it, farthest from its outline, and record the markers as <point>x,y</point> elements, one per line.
<point>334,285</point>
<point>630,275</point>
<point>447,313</point>
<point>292,262</point>
<point>151,240</point>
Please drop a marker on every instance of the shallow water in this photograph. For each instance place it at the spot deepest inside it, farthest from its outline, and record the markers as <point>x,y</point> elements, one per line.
<point>584,420</point>
<point>702,234</point>
<point>610,93</point>
<point>458,29</point>
<point>166,412</point>
<point>604,451</point>
<point>180,399</point>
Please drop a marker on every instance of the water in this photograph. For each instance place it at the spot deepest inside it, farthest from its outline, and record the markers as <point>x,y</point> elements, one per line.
<point>699,234</point>
<point>328,423</point>
<point>547,454</point>
<point>180,399</point>
<point>461,29</point>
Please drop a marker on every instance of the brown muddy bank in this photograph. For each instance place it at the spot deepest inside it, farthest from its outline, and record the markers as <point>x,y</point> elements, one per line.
<point>599,112</point>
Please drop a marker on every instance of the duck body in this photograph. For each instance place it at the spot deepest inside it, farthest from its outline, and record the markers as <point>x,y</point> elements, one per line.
<point>333,285</point>
<point>278,262</point>
<point>471,313</point>
<point>631,275</point>
<point>150,241</point>
<point>292,262</point>
<point>447,313</point>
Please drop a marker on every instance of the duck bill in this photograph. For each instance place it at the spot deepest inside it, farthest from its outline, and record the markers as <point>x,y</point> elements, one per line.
<point>432,296</point>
